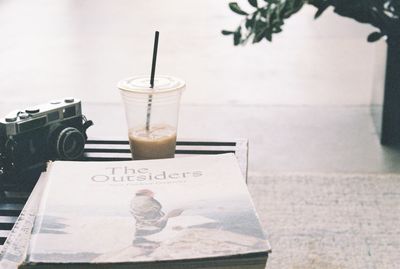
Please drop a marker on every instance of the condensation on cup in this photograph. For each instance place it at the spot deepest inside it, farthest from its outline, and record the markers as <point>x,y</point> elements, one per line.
<point>152,115</point>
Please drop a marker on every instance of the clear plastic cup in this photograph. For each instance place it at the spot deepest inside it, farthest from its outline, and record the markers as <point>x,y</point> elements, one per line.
<point>152,115</point>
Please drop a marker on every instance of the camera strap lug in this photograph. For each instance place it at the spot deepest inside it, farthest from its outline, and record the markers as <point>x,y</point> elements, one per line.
<point>86,125</point>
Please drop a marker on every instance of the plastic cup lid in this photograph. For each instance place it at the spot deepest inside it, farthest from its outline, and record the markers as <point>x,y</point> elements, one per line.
<point>141,84</point>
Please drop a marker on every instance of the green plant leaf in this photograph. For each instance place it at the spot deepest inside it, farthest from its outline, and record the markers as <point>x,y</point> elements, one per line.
<point>268,36</point>
<point>277,29</point>
<point>235,8</point>
<point>375,36</point>
<point>250,22</point>
<point>258,37</point>
<point>321,9</point>
<point>253,3</point>
<point>236,38</point>
<point>225,32</point>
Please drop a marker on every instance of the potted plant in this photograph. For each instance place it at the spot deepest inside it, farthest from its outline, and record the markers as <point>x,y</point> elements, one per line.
<point>268,16</point>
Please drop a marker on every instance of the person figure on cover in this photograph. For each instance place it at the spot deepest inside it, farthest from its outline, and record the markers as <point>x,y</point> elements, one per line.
<point>150,218</point>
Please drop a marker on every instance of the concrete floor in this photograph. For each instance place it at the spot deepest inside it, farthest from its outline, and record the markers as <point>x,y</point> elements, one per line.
<point>281,138</point>
<point>327,139</point>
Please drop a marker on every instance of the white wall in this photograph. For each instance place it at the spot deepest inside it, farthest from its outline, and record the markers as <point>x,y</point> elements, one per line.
<point>82,48</point>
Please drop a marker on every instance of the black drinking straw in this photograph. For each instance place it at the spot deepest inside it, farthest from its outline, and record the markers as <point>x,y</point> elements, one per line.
<point>153,71</point>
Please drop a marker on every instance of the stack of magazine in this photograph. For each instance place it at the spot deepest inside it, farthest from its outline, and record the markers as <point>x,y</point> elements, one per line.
<point>192,212</point>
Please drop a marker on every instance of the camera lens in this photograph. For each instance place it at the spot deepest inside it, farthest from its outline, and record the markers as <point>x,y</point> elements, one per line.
<point>70,143</point>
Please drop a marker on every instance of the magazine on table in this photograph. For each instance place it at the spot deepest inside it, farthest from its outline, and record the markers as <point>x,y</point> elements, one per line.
<point>193,212</point>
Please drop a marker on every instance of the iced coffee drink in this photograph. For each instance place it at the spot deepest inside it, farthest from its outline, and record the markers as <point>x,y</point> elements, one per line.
<point>152,115</point>
<point>157,143</point>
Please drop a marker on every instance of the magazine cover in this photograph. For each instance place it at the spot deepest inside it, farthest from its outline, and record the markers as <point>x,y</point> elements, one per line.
<point>138,211</point>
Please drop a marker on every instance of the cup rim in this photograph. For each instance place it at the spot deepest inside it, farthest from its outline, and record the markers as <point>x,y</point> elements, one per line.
<point>123,85</point>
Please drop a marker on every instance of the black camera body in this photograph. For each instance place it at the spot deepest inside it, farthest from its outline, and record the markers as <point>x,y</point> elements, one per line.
<point>30,138</point>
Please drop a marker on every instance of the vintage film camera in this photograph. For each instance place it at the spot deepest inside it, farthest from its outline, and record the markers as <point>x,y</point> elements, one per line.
<point>31,137</point>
